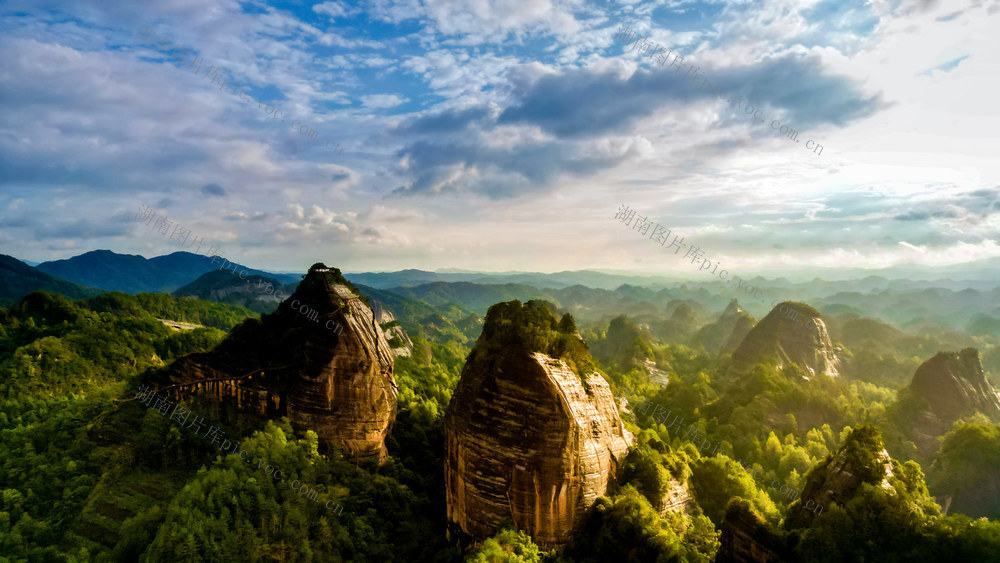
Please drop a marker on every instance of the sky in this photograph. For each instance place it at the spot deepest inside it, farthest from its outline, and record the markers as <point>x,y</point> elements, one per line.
<point>500,135</point>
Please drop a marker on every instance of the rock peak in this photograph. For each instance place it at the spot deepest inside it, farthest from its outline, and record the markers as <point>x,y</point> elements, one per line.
<point>792,333</point>
<point>732,309</point>
<point>954,384</point>
<point>861,459</point>
<point>321,359</point>
<point>530,436</point>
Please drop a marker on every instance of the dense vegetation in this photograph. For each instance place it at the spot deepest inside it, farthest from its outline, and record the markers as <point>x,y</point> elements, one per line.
<point>50,346</point>
<point>535,326</point>
<point>87,476</point>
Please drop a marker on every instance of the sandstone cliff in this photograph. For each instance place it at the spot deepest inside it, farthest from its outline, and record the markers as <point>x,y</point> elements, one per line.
<point>397,337</point>
<point>955,385</point>
<point>945,388</point>
<point>747,538</point>
<point>677,499</point>
<point>320,359</point>
<point>532,433</point>
<point>792,333</point>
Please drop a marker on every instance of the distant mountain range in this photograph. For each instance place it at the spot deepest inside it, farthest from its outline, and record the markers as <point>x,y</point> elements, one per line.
<point>130,273</point>
<point>588,278</point>
<point>959,302</point>
<point>17,279</point>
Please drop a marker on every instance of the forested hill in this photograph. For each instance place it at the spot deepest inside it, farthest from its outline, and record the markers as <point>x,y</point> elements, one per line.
<point>17,279</point>
<point>131,273</point>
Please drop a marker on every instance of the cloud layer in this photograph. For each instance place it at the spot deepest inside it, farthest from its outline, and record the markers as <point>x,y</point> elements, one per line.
<point>503,134</point>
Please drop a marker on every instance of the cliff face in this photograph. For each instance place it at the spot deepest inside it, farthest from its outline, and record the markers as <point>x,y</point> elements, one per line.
<point>528,439</point>
<point>952,385</point>
<point>745,539</point>
<point>792,333</point>
<point>321,359</point>
<point>677,499</point>
<point>955,385</point>
<point>397,337</point>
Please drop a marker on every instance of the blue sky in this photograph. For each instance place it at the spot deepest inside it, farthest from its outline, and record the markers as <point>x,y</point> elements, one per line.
<point>504,135</point>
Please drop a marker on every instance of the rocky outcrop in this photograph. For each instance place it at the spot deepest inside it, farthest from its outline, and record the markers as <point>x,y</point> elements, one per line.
<point>677,499</point>
<point>398,340</point>
<point>656,375</point>
<point>949,386</point>
<point>792,333</point>
<point>746,538</point>
<point>955,385</point>
<point>725,334</point>
<point>862,459</point>
<point>532,433</point>
<point>320,359</point>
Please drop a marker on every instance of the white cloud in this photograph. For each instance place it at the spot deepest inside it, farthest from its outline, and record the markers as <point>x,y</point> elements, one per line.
<point>381,101</point>
<point>335,9</point>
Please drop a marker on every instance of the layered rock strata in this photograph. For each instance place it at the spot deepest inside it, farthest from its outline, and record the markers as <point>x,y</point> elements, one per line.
<point>320,359</point>
<point>530,440</point>
<point>792,333</point>
<point>677,499</point>
<point>397,337</point>
<point>745,538</point>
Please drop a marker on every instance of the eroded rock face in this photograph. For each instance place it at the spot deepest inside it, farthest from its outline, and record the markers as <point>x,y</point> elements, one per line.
<point>401,343</point>
<point>526,439</point>
<point>952,385</point>
<point>744,540</point>
<point>321,359</point>
<point>792,333</point>
<point>677,499</point>
<point>955,385</point>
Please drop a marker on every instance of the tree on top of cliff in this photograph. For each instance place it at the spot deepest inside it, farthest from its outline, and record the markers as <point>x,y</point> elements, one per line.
<point>534,326</point>
<point>334,276</point>
<point>862,448</point>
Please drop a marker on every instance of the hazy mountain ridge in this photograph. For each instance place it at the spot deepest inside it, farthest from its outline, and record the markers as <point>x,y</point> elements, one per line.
<point>131,273</point>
